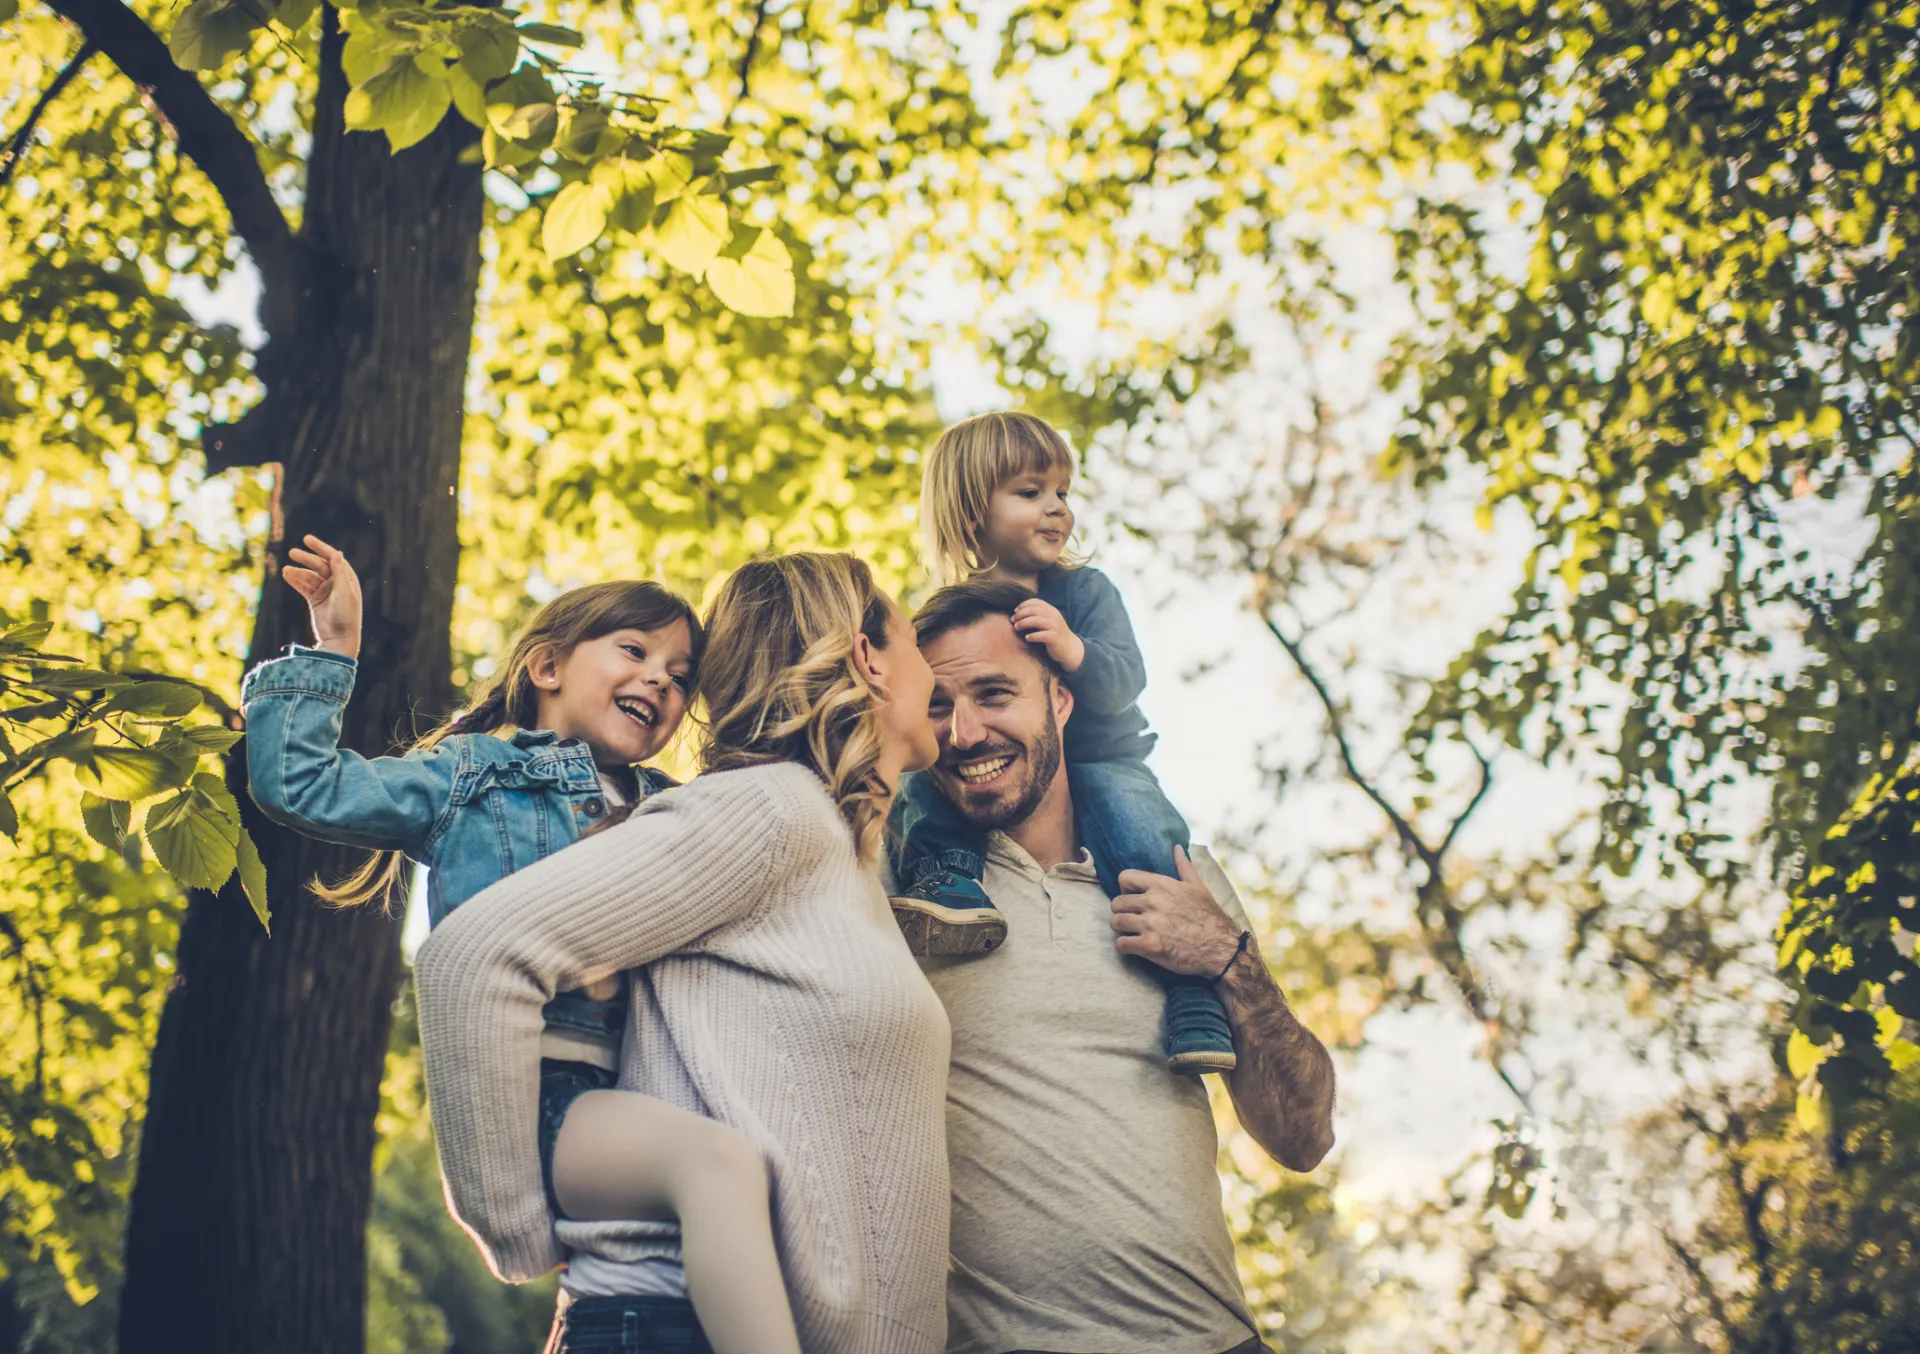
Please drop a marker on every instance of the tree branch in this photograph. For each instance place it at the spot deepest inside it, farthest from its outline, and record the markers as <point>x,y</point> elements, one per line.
<point>1336,726</point>
<point>748,57</point>
<point>18,142</point>
<point>207,136</point>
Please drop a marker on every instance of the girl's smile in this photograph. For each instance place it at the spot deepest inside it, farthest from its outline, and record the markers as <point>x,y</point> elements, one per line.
<point>623,694</point>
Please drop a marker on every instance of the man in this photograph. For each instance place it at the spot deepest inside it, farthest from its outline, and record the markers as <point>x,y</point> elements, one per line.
<point>1086,1208</point>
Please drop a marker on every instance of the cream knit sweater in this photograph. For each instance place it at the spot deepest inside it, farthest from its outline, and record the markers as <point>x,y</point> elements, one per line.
<point>778,997</point>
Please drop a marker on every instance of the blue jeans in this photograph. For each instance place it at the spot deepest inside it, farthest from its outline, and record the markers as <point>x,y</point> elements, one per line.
<point>561,1083</point>
<point>636,1325</point>
<point>1124,818</point>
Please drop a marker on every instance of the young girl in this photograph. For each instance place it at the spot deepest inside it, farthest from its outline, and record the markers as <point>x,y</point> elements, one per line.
<point>994,500</point>
<point>596,684</point>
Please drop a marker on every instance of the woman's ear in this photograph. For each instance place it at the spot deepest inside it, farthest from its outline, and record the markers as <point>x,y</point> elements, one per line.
<point>870,663</point>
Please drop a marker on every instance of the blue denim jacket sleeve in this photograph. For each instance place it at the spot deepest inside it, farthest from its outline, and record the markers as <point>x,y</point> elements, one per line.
<point>1113,674</point>
<point>302,778</point>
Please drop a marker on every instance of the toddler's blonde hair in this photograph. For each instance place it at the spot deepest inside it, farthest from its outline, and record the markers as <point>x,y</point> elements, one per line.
<point>972,459</point>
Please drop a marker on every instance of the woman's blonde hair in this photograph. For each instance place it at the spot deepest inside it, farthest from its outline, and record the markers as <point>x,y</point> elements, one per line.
<point>511,700</point>
<point>781,685</point>
<point>972,459</point>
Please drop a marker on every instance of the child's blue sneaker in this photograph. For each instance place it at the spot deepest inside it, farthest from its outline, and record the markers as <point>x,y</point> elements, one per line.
<point>947,914</point>
<point>1198,1038</point>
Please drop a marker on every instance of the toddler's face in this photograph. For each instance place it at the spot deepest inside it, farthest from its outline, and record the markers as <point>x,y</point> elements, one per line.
<point>623,694</point>
<point>1029,521</point>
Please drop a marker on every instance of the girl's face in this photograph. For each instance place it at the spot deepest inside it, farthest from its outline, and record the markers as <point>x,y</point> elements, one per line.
<point>1029,521</point>
<point>623,694</point>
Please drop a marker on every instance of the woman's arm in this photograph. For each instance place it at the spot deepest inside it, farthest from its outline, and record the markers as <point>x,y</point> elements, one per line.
<point>301,778</point>
<point>689,861</point>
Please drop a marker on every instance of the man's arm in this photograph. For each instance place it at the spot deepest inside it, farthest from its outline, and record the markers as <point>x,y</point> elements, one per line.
<point>1283,1088</point>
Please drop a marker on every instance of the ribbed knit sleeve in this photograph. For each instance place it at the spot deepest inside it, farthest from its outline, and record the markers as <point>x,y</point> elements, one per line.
<point>690,861</point>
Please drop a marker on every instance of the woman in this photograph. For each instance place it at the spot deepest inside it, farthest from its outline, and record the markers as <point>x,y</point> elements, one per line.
<point>777,996</point>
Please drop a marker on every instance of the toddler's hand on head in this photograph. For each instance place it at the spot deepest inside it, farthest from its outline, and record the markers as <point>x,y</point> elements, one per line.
<point>1041,623</point>
<point>322,575</point>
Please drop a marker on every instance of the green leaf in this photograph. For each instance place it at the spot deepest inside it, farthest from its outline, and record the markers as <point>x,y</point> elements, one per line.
<point>371,48</point>
<point>1803,1055</point>
<point>294,15</point>
<point>468,98</point>
<point>740,178</point>
<point>574,220</point>
<point>204,738</point>
<point>553,35</point>
<point>159,699</point>
<point>106,820</point>
<point>77,679</point>
<point>9,816</point>
<point>129,773</point>
<point>582,133</point>
<point>531,123</point>
<point>692,234</point>
<point>760,283</point>
<point>34,634</point>
<point>208,32</point>
<point>671,173</point>
<point>194,839</point>
<point>488,51</point>
<point>253,878</point>
<point>76,746</point>
<point>403,101</point>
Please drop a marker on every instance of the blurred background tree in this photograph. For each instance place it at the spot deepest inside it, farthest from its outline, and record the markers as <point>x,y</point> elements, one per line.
<point>1535,382</point>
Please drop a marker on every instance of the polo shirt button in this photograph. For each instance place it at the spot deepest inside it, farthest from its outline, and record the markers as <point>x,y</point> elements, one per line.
<point>594,808</point>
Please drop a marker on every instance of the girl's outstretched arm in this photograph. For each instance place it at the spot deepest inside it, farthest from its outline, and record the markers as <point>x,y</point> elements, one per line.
<point>296,770</point>
<point>302,778</point>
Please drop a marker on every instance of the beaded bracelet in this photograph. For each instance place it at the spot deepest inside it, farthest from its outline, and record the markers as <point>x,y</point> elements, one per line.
<point>1238,950</point>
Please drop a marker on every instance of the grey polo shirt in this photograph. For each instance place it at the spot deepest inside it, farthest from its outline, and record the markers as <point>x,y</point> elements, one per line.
<point>1086,1206</point>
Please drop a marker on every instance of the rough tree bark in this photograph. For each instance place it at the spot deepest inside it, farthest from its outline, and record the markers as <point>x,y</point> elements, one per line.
<point>250,1207</point>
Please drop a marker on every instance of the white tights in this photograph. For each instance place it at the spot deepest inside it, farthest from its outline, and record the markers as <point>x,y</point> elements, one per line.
<point>625,1155</point>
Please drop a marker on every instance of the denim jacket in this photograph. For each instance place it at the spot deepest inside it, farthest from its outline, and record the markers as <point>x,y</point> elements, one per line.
<point>473,808</point>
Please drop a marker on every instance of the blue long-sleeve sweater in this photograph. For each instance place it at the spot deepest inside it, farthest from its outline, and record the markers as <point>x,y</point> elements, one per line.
<point>1106,723</point>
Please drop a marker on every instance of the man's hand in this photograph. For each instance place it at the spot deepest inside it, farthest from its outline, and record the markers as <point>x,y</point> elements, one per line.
<point>1283,1088</point>
<point>1041,623</point>
<point>332,590</point>
<point>1175,923</point>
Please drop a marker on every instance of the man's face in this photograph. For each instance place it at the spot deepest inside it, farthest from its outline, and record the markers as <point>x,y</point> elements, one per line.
<point>998,716</point>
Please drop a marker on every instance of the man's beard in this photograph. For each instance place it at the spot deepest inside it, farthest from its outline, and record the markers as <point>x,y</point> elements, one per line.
<point>1042,761</point>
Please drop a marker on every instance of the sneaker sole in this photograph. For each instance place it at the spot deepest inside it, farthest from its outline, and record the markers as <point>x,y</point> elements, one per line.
<point>1207,1060</point>
<point>949,936</point>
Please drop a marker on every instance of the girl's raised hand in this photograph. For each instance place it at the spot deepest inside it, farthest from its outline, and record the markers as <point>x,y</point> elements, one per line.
<point>1041,623</point>
<point>322,575</point>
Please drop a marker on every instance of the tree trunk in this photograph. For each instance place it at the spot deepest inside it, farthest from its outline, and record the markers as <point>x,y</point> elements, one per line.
<point>249,1213</point>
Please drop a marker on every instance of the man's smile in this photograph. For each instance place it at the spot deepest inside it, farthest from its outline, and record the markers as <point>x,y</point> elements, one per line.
<point>982,771</point>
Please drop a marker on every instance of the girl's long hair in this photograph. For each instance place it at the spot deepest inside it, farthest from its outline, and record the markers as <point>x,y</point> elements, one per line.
<point>972,459</point>
<point>510,700</point>
<point>780,683</point>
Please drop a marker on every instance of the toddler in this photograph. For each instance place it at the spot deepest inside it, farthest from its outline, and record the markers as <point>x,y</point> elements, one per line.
<point>994,502</point>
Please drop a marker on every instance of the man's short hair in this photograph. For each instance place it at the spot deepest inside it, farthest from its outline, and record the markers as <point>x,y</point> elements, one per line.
<point>963,604</point>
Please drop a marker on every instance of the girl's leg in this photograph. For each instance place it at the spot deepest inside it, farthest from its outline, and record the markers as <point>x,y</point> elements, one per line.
<point>1127,822</point>
<point>623,1155</point>
<point>937,860</point>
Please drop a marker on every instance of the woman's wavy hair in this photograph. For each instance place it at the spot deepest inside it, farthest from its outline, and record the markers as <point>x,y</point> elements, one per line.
<point>972,459</point>
<point>780,683</point>
<point>510,700</point>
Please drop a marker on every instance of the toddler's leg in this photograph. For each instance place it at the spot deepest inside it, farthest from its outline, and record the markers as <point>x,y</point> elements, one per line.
<point>623,1155</point>
<point>1128,823</point>
<point>937,863</point>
